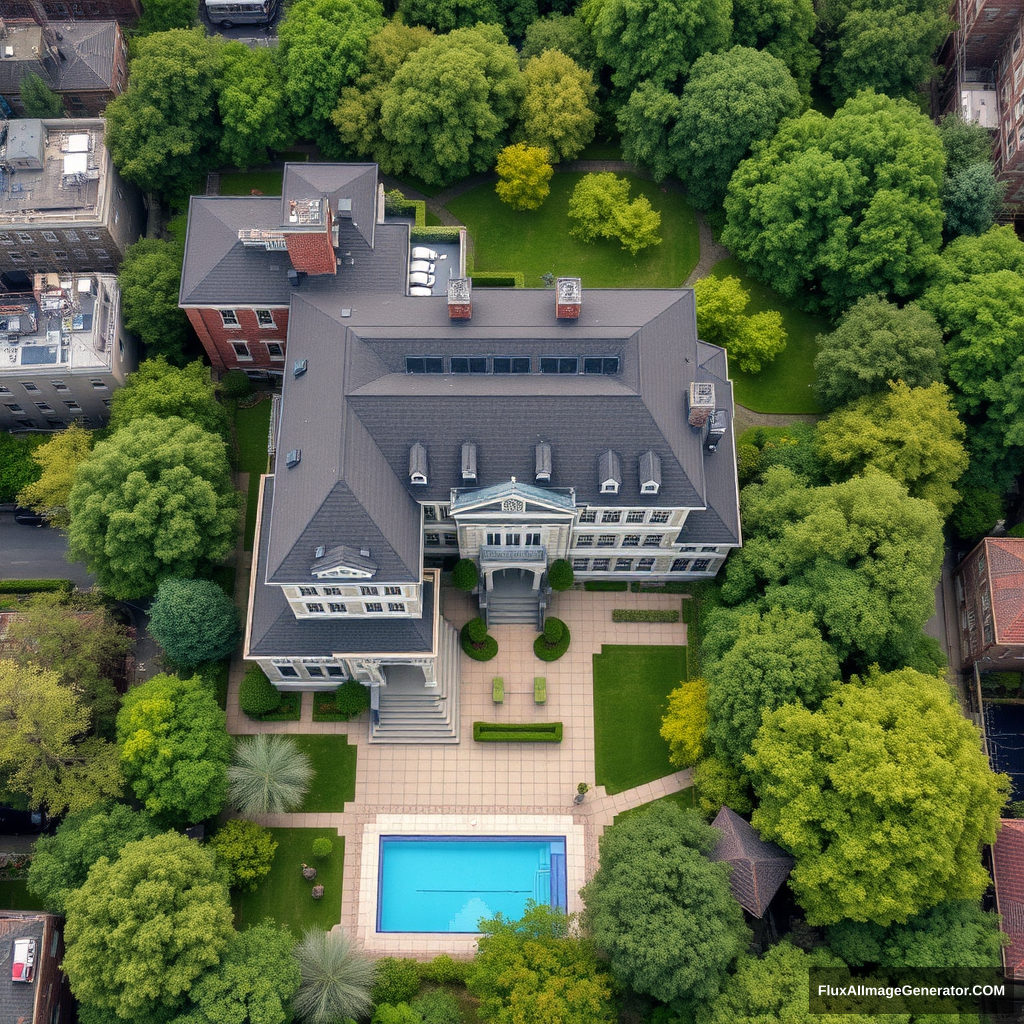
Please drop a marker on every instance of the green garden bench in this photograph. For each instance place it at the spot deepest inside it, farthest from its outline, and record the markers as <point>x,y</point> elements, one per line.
<point>498,690</point>
<point>540,690</point>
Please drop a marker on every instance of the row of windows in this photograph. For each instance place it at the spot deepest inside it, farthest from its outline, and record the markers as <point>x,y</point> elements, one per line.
<point>32,388</point>
<point>242,350</point>
<point>430,513</point>
<point>512,364</point>
<point>611,540</point>
<point>642,564</point>
<point>264,317</point>
<point>433,540</point>
<point>513,540</point>
<point>72,405</point>
<point>336,591</point>
<point>7,237</point>
<point>316,671</point>
<point>633,515</point>
<point>338,608</point>
<point>16,256</point>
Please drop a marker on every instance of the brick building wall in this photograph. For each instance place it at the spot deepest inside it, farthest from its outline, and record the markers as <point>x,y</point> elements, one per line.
<point>77,10</point>
<point>312,252</point>
<point>264,346</point>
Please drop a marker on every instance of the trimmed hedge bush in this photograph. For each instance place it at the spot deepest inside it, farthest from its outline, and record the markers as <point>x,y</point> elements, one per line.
<point>662,588</point>
<point>289,711</point>
<point>341,705</point>
<point>257,695</point>
<point>528,732</point>
<point>552,650</point>
<point>465,574</point>
<point>235,384</point>
<point>478,650</point>
<point>476,630</point>
<point>322,847</point>
<point>395,980</point>
<point>560,575</point>
<point>498,279</point>
<point>446,970</point>
<point>644,615</point>
<point>36,586</point>
<point>396,205</point>
<point>435,234</point>
<point>606,585</point>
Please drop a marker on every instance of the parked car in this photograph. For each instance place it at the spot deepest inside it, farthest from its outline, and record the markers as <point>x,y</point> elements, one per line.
<point>23,962</point>
<point>421,267</point>
<point>418,289</point>
<point>421,252</point>
<point>21,823</point>
<point>426,280</point>
<point>28,517</point>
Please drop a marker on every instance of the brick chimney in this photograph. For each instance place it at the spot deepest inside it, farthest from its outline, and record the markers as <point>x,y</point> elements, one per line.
<point>460,298</point>
<point>568,298</point>
<point>307,235</point>
<point>701,402</point>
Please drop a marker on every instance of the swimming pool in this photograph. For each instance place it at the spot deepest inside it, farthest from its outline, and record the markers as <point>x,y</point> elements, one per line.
<point>448,883</point>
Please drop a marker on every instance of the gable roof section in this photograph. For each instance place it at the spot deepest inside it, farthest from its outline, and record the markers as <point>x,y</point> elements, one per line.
<point>1006,578</point>
<point>89,49</point>
<point>472,498</point>
<point>356,183</point>
<point>758,867</point>
<point>1008,873</point>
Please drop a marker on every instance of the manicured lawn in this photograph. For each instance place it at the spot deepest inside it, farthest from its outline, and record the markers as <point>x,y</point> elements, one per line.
<point>631,687</point>
<point>335,764</point>
<point>538,242</point>
<point>14,895</point>
<point>242,183</point>
<point>252,427</point>
<point>685,798</point>
<point>285,895</point>
<point>785,385</point>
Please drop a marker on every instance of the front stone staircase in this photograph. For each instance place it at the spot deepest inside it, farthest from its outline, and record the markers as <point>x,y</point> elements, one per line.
<point>513,600</point>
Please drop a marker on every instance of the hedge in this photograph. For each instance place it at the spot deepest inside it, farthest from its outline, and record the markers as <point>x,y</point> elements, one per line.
<point>486,650</point>
<point>440,233</point>
<point>644,615</point>
<point>661,588</point>
<point>498,279</point>
<point>552,652</point>
<point>396,204</point>
<point>257,695</point>
<point>505,732</point>
<point>36,586</point>
<point>606,585</point>
<point>290,709</point>
<point>343,704</point>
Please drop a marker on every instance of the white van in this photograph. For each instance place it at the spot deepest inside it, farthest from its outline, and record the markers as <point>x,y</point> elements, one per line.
<point>228,13</point>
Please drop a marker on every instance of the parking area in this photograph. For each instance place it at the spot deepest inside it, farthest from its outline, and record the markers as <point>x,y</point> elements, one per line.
<point>36,552</point>
<point>443,265</point>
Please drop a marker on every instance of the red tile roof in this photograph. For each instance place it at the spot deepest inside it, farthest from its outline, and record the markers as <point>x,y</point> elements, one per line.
<point>1008,872</point>
<point>758,867</point>
<point>1006,575</point>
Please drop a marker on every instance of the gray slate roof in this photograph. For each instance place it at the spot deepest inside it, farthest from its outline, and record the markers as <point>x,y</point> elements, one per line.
<point>17,999</point>
<point>88,48</point>
<point>759,868</point>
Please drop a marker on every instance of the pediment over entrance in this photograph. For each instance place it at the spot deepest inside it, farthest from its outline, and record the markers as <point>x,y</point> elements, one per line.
<point>513,498</point>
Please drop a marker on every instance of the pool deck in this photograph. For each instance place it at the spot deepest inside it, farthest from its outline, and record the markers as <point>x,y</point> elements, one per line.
<point>504,788</point>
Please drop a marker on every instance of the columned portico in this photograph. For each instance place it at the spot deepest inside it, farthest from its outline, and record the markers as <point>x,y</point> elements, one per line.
<point>528,563</point>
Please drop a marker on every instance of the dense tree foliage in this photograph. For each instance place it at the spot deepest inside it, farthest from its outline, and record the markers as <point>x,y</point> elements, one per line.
<point>776,658</point>
<point>446,15</point>
<point>478,74</point>
<point>781,27</point>
<point>600,207</point>
<point>174,748</point>
<point>751,339</point>
<point>861,555</point>
<point>685,722</point>
<point>565,32</point>
<point>660,910</point>
<point>143,928</point>
<point>61,862</point>
<point>655,41</point>
<point>836,208</point>
<point>58,461</point>
<point>17,468</point>
<point>163,127</point>
<point>971,196</point>
<point>38,99</point>
<point>523,176</point>
<point>194,621</point>
<point>536,969</point>
<point>246,850</point>
<point>253,105</point>
<point>336,978</point>
<point>46,750</point>
<point>913,434</point>
<point>884,797</point>
<point>558,108</point>
<point>161,15</point>
<point>154,500</point>
<point>150,279</point>
<point>875,342</point>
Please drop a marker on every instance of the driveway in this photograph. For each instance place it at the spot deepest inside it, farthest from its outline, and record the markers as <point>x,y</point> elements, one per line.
<point>31,553</point>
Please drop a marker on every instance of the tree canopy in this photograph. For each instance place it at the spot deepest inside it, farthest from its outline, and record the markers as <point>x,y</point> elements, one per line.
<point>912,434</point>
<point>861,555</point>
<point>143,928</point>
<point>478,74</point>
<point>163,127</point>
<point>535,969</point>
<point>446,15</point>
<point>660,910</point>
<point>150,279</point>
<point>781,27</point>
<point>600,207</point>
<point>971,196</point>
<point>752,339</point>
<point>565,32</point>
<point>174,748</point>
<point>875,342</point>
<point>558,109</point>
<point>193,621</point>
<point>523,176</point>
<point>883,796</point>
<point>832,209</point>
<point>161,15</point>
<point>38,99</point>
<point>58,458</point>
<point>253,105</point>
<point>154,500</point>
<point>46,750</point>
<point>685,722</point>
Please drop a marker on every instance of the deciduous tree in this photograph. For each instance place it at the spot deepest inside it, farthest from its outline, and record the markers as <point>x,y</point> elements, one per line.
<point>161,15</point>
<point>558,110</point>
<point>446,15</point>
<point>194,621</point>
<point>143,928</point>
<point>971,196</point>
<point>174,748</point>
<point>565,32</point>
<point>38,99</point>
<point>523,176</point>
<point>647,124</point>
<point>163,128</point>
<point>836,208</point>
<point>58,461</point>
<point>46,751</point>
<point>875,342</point>
<point>685,722</point>
<point>600,208</point>
<point>661,911</point>
<point>913,434</point>
<point>253,105</point>
<point>154,500</point>
<point>752,339</point>
<point>781,27</point>
<point>883,796</point>
<point>17,468</point>
<point>150,279</point>
<point>246,850</point>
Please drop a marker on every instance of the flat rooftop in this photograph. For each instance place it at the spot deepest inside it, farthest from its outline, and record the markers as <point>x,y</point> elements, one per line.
<point>65,322</point>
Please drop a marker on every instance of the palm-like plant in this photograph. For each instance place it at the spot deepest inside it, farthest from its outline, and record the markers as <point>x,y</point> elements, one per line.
<point>268,774</point>
<point>337,978</point>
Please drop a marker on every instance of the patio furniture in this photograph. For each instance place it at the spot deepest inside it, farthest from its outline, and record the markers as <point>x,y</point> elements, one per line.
<point>498,690</point>
<point>540,690</point>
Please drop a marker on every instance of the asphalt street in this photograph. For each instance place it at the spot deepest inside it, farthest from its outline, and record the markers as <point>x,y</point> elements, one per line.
<point>31,552</point>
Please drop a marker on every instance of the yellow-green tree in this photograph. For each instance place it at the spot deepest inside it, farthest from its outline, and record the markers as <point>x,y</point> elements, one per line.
<point>600,208</point>
<point>59,459</point>
<point>752,339</point>
<point>558,108</point>
<point>685,723</point>
<point>523,176</point>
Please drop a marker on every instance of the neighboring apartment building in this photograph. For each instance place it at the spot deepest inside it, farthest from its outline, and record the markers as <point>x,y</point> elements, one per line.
<point>63,351</point>
<point>990,600</point>
<point>984,61</point>
<point>84,62</point>
<point>33,989</point>
<point>74,10</point>
<point>513,427</point>
<point>63,206</point>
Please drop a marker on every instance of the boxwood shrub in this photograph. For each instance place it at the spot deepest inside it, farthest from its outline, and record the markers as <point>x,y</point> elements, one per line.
<point>465,574</point>
<point>606,585</point>
<point>645,615</point>
<point>341,705</point>
<point>257,695</point>
<point>560,575</point>
<point>476,642</point>
<point>552,649</point>
<point>676,587</point>
<point>528,732</point>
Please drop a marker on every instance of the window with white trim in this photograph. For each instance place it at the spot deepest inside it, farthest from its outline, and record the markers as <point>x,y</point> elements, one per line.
<point>611,516</point>
<point>601,564</point>
<point>369,591</point>
<point>623,564</point>
<point>585,540</point>
<point>606,540</point>
<point>314,671</point>
<point>645,564</point>
<point>29,386</point>
<point>315,607</point>
<point>701,564</point>
<point>308,592</point>
<point>631,540</point>
<point>392,591</point>
<point>374,606</point>
<point>275,350</point>
<point>288,671</point>
<point>265,318</point>
<point>432,539</point>
<point>680,565</point>
<point>332,591</point>
<point>588,515</point>
<point>659,515</point>
<point>580,564</point>
<point>636,515</point>
<point>653,540</point>
<point>335,671</point>
<point>336,608</point>
<point>396,606</point>
<point>241,350</point>
<point>72,404</point>
<point>229,318</point>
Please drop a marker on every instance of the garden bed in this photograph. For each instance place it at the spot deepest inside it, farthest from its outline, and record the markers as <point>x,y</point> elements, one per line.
<point>645,615</point>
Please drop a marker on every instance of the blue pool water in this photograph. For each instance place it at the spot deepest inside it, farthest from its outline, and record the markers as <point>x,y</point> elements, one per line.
<point>448,883</point>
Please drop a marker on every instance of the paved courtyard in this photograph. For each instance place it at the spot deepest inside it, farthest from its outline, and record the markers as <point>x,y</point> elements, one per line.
<point>500,786</point>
